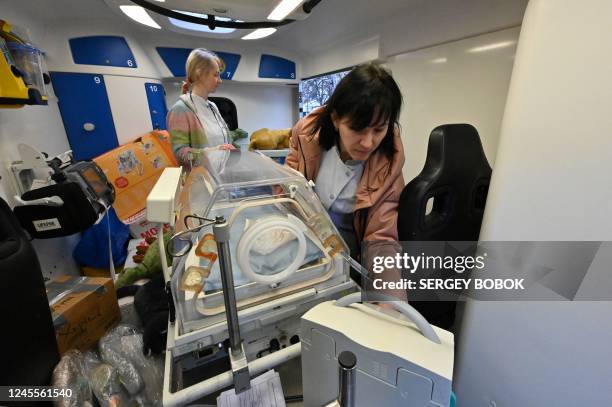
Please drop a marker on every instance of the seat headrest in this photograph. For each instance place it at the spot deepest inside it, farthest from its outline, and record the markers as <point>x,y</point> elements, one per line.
<point>228,111</point>
<point>456,177</point>
<point>455,151</point>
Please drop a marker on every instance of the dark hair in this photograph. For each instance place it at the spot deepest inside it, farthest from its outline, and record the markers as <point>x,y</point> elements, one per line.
<point>367,95</point>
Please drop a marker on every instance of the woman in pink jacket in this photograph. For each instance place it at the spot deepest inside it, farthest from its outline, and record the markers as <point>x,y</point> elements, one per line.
<point>351,149</point>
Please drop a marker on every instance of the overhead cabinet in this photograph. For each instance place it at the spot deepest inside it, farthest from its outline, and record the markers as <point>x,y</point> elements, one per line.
<point>105,50</point>
<point>175,59</point>
<point>271,66</point>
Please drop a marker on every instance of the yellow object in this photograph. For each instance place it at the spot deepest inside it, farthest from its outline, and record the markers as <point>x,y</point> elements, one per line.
<point>334,244</point>
<point>5,31</point>
<point>133,169</point>
<point>13,90</point>
<point>207,247</point>
<point>266,139</point>
<point>194,278</point>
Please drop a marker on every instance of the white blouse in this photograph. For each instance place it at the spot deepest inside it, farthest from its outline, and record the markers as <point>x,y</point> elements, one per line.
<point>337,182</point>
<point>215,127</point>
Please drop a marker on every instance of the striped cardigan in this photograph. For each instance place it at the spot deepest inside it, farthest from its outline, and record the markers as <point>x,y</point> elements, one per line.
<point>186,130</point>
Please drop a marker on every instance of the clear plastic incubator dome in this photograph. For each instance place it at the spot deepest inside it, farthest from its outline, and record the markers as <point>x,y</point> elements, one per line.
<point>282,240</point>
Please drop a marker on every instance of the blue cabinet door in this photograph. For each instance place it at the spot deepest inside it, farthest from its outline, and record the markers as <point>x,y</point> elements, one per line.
<point>175,59</point>
<point>86,113</point>
<point>271,66</point>
<point>105,50</point>
<point>157,104</point>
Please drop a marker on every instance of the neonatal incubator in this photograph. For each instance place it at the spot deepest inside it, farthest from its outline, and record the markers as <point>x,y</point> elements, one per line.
<point>286,256</point>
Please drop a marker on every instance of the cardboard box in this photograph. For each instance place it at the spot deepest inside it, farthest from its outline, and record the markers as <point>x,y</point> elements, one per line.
<point>83,310</point>
<point>133,169</point>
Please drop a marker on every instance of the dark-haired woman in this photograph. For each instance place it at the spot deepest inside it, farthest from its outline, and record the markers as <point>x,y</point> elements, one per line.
<point>351,149</point>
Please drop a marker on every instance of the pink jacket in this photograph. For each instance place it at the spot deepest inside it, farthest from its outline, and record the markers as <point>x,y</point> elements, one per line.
<point>378,191</point>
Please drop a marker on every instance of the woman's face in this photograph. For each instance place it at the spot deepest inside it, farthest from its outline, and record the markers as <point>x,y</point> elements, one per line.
<point>359,144</point>
<point>211,79</point>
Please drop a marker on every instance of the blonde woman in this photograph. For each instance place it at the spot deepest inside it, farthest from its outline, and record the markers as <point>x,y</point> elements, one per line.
<point>194,122</point>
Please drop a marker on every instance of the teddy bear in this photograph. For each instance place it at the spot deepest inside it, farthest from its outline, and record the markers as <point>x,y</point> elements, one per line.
<point>266,139</point>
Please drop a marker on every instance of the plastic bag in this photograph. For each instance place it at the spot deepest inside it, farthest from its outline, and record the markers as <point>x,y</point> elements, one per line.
<point>70,374</point>
<point>92,249</point>
<point>104,382</point>
<point>122,348</point>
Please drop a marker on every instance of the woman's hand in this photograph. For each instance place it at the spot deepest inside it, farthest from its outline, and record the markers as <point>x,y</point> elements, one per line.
<point>226,147</point>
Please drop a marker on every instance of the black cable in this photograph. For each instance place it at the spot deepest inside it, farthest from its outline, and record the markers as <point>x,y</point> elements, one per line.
<point>199,218</point>
<point>211,22</point>
<point>309,5</point>
<point>224,129</point>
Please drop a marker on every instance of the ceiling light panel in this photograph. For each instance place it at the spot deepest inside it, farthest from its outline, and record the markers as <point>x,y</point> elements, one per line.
<point>259,33</point>
<point>283,9</point>
<point>139,15</point>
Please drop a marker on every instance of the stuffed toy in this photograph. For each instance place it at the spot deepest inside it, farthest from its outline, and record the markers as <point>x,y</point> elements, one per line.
<point>236,135</point>
<point>266,139</point>
<point>149,263</point>
<point>151,304</point>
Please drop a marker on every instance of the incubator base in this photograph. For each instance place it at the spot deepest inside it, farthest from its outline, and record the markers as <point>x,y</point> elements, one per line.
<point>265,329</point>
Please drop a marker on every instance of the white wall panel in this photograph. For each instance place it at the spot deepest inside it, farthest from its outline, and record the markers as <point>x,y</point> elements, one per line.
<point>409,26</point>
<point>39,126</point>
<point>342,56</point>
<point>436,21</point>
<point>551,182</point>
<point>452,84</point>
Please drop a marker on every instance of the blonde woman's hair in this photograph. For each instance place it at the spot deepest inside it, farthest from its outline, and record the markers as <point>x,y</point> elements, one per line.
<point>200,60</point>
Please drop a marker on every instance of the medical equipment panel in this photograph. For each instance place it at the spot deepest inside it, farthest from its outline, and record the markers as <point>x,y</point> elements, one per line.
<point>401,360</point>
